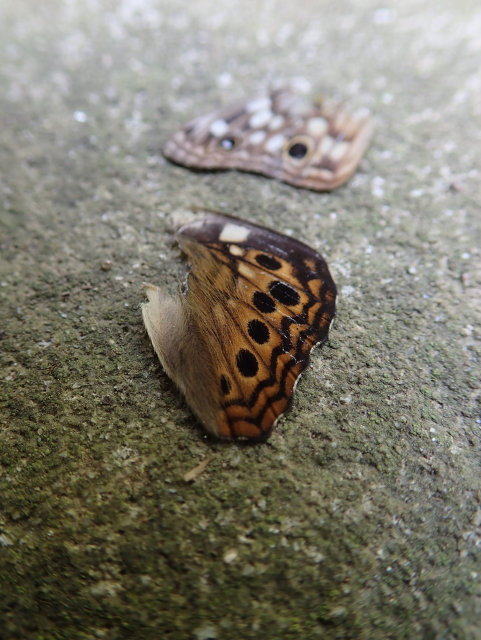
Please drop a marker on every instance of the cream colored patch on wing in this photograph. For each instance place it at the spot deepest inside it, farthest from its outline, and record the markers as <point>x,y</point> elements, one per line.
<point>246,271</point>
<point>276,122</point>
<point>338,151</point>
<point>326,144</point>
<point>234,233</point>
<point>257,137</point>
<point>218,127</point>
<point>235,250</point>
<point>260,118</point>
<point>274,143</point>
<point>317,126</point>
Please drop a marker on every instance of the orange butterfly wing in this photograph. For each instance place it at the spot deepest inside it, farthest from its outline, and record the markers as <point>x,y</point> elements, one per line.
<point>261,302</point>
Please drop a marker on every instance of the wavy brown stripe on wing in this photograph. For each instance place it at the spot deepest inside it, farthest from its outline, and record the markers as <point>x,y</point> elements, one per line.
<point>302,362</point>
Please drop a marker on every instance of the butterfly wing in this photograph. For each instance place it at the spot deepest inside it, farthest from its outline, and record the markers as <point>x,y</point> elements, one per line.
<point>257,303</point>
<point>318,148</point>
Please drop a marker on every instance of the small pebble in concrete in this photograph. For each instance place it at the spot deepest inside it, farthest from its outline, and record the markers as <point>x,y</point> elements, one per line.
<point>205,632</point>
<point>231,556</point>
<point>80,116</point>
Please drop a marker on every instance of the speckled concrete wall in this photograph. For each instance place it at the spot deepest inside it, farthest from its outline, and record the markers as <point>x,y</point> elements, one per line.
<point>361,517</point>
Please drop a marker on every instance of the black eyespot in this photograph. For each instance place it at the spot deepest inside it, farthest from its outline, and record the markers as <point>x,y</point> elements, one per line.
<point>263,302</point>
<point>247,363</point>
<point>268,262</point>
<point>227,144</point>
<point>284,293</point>
<point>258,331</point>
<point>298,150</point>
<point>224,384</point>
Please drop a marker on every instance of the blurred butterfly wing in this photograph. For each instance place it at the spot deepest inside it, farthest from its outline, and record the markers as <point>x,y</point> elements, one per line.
<point>262,301</point>
<point>319,148</point>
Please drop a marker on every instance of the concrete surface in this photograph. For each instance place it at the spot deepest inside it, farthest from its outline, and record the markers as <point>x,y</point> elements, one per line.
<point>361,517</point>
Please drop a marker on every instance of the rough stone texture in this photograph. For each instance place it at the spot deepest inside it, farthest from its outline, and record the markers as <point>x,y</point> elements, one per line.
<point>361,517</point>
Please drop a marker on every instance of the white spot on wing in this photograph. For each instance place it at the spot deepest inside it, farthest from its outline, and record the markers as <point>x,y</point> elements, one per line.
<point>326,144</point>
<point>317,126</point>
<point>235,250</point>
<point>218,127</point>
<point>276,122</point>
<point>260,118</point>
<point>257,137</point>
<point>274,143</point>
<point>338,151</point>
<point>234,233</point>
<point>260,104</point>
<point>245,271</point>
